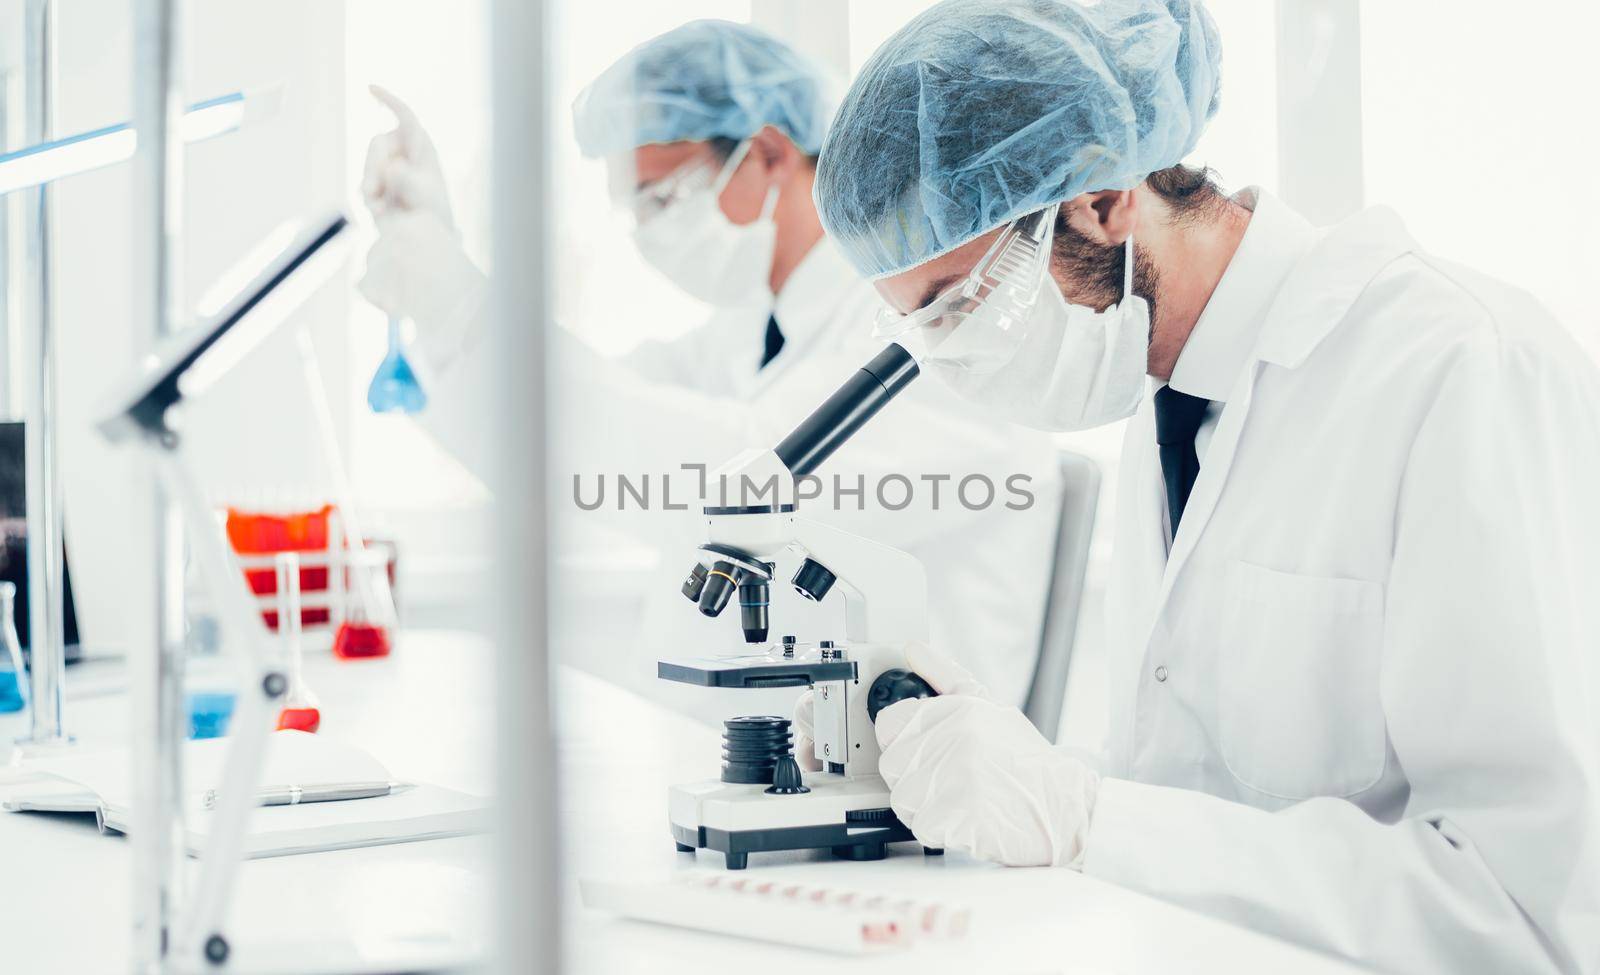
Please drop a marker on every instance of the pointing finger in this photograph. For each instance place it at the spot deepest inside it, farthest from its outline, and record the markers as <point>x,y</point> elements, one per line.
<point>402,112</point>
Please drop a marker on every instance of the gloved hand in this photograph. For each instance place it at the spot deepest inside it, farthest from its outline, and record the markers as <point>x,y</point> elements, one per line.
<point>967,774</point>
<point>805,731</point>
<point>938,670</point>
<point>402,173</point>
<point>418,270</point>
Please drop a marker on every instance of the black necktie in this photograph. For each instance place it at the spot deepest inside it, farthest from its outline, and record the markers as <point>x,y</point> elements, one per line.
<point>1178,416</point>
<point>774,341</point>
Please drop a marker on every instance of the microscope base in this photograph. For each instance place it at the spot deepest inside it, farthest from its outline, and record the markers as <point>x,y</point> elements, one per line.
<point>851,817</point>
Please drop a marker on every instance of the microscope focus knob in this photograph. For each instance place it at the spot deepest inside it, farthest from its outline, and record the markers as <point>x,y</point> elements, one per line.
<point>895,684</point>
<point>786,779</point>
<point>813,580</point>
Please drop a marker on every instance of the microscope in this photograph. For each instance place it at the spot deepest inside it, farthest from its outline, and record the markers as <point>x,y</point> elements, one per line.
<point>762,801</point>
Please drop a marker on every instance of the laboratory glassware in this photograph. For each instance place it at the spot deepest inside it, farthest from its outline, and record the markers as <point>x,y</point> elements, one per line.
<point>13,676</point>
<point>394,387</point>
<point>257,537</point>
<point>369,606</point>
<point>300,709</point>
<point>210,713</point>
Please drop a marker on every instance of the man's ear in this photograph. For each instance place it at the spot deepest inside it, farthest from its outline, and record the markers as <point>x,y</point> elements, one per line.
<point>1105,217</point>
<point>778,156</point>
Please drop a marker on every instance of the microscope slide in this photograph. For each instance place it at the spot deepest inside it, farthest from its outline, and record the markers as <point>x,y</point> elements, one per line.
<point>833,919</point>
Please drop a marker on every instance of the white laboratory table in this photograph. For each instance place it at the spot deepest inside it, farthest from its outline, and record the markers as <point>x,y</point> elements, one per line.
<point>620,754</point>
<point>425,712</point>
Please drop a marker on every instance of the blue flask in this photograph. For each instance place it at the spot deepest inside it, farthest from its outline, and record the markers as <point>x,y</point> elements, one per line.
<point>394,387</point>
<point>13,678</point>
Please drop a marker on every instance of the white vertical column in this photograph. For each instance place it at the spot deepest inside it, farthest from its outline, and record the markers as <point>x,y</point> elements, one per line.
<point>46,595</point>
<point>1319,107</point>
<point>818,28</point>
<point>528,919</point>
<point>156,661</point>
<point>11,330</point>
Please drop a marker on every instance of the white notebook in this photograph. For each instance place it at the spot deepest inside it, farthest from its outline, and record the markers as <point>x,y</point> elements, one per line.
<point>99,782</point>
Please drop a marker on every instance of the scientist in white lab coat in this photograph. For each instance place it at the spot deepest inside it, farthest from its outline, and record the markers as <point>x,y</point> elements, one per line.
<point>1355,692</point>
<point>710,134</point>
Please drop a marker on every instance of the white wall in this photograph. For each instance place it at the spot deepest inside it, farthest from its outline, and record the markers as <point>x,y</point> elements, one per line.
<point>254,428</point>
<point>1479,126</point>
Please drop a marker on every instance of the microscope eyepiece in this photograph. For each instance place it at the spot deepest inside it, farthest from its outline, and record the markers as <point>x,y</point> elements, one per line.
<point>720,583</point>
<point>867,391</point>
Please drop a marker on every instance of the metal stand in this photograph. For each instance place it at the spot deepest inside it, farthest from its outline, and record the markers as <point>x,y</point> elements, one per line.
<point>195,922</point>
<point>158,729</point>
<point>46,598</point>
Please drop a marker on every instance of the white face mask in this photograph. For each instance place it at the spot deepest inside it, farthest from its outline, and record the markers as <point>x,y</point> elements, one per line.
<point>1070,368</point>
<point>694,244</point>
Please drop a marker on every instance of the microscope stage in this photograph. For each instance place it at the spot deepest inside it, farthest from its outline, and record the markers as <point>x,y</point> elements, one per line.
<point>755,670</point>
<point>850,816</point>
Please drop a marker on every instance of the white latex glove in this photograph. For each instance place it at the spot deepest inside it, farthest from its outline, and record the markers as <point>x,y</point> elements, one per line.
<point>418,270</point>
<point>942,674</point>
<point>805,732</point>
<point>402,173</point>
<point>967,774</point>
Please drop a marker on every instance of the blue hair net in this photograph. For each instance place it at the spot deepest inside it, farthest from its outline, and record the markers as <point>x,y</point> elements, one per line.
<point>704,80</point>
<point>979,111</point>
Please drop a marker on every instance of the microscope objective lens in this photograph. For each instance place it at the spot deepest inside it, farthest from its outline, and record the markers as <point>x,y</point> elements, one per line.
<point>754,597</point>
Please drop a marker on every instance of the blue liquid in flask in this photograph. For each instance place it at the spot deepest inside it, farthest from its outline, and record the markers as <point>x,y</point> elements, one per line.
<point>13,690</point>
<point>394,387</point>
<point>11,698</point>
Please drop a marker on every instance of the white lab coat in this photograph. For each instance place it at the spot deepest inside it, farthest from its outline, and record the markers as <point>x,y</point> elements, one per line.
<point>703,398</point>
<point>1359,704</point>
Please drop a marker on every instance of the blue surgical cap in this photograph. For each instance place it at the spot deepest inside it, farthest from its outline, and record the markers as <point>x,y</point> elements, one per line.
<point>980,111</point>
<point>704,80</point>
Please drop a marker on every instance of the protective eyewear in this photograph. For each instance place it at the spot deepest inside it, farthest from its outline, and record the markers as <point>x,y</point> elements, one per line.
<point>1002,288</point>
<point>690,179</point>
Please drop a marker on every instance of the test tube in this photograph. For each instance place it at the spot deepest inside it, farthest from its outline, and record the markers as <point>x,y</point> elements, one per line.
<point>300,712</point>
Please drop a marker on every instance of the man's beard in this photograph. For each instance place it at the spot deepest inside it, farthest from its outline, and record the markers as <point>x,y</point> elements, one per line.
<point>1090,273</point>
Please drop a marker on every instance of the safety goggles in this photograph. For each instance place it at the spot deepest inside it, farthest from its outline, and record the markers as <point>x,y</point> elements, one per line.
<point>689,180</point>
<point>1000,290</point>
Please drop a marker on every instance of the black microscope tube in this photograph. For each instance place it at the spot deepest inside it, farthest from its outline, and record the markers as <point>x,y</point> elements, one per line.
<point>866,392</point>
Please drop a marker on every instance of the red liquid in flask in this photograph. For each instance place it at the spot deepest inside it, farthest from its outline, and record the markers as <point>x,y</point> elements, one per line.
<point>356,639</point>
<point>299,719</point>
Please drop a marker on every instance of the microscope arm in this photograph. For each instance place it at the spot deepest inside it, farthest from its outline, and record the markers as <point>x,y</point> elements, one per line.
<point>898,610</point>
